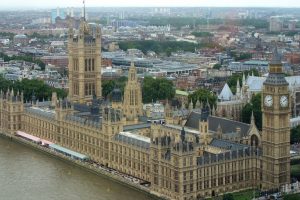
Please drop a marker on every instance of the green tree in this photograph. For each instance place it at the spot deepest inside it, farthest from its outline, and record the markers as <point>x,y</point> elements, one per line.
<point>202,34</point>
<point>243,56</point>
<point>246,117</point>
<point>7,35</point>
<point>203,95</point>
<point>157,89</point>
<point>231,81</point>
<point>109,85</point>
<point>228,196</point>
<point>295,135</point>
<point>165,47</point>
<point>26,58</point>
<point>41,90</point>
<point>255,107</point>
<point>217,66</point>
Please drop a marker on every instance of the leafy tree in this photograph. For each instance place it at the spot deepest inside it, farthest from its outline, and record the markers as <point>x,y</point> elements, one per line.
<point>165,47</point>
<point>255,106</point>
<point>217,66</point>
<point>202,34</point>
<point>233,79</point>
<point>243,56</point>
<point>7,34</point>
<point>228,196</point>
<point>109,85</point>
<point>26,58</point>
<point>157,89</point>
<point>203,95</point>
<point>295,135</point>
<point>246,117</point>
<point>41,90</point>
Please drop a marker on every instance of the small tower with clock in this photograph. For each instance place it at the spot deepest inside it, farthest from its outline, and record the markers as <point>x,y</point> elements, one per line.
<point>276,127</point>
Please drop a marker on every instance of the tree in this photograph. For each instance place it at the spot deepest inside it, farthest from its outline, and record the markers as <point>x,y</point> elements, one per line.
<point>255,107</point>
<point>41,90</point>
<point>217,66</point>
<point>239,76</point>
<point>203,95</point>
<point>157,89</point>
<point>295,135</point>
<point>202,34</point>
<point>246,117</point>
<point>228,196</point>
<point>243,56</point>
<point>165,47</point>
<point>26,58</point>
<point>109,85</point>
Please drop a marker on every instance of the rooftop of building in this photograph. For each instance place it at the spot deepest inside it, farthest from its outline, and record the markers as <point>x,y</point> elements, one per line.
<point>226,93</point>
<point>41,111</point>
<point>227,145</point>
<point>227,126</point>
<point>255,83</point>
<point>187,130</point>
<point>133,139</point>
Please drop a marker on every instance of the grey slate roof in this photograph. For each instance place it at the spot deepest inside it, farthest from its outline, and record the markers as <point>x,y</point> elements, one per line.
<point>227,126</point>
<point>225,144</point>
<point>193,120</point>
<point>136,126</point>
<point>226,94</point>
<point>40,112</point>
<point>133,139</point>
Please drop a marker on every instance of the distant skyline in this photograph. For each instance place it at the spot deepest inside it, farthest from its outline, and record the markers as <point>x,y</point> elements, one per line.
<point>31,4</point>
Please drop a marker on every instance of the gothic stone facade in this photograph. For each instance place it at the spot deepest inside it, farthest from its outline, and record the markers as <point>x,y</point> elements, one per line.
<point>203,156</point>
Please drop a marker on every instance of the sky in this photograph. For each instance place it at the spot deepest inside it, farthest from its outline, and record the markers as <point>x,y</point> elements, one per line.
<point>148,3</point>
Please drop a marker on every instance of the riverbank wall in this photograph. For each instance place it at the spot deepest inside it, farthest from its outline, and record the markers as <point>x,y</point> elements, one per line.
<point>88,167</point>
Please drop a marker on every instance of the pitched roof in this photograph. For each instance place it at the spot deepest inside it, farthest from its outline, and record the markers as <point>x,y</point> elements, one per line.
<point>133,139</point>
<point>225,144</point>
<point>227,126</point>
<point>226,93</point>
<point>255,83</point>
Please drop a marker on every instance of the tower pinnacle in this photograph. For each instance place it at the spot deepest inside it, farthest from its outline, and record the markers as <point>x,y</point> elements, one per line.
<point>84,10</point>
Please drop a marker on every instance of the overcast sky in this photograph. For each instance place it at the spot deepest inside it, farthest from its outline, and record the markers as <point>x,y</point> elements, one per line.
<point>153,3</point>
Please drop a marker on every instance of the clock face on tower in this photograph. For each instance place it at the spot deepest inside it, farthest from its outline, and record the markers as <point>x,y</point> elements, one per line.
<point>268,101</point>
<point>284,101</point>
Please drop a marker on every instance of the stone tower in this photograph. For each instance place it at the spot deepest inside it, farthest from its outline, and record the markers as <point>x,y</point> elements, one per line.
<point>11,111</point>
<point>276,127</point>
<point>84,64</point>
<point>132,104</point>
<point>111,125</point>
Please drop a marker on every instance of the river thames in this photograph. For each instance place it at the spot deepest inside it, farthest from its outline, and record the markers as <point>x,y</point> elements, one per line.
<point>26,174</point>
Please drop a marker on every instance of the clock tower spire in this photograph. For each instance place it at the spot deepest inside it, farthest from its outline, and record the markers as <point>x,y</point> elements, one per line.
<point>276,127</point>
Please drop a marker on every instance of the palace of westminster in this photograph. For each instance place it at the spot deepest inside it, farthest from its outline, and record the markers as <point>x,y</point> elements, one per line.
<point>192,156</point>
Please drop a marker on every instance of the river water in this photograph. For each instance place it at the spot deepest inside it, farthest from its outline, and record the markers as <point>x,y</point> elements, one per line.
<point>26,174</point>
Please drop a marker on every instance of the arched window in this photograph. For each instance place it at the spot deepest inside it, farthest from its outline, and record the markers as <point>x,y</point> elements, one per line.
<point>254,140</point>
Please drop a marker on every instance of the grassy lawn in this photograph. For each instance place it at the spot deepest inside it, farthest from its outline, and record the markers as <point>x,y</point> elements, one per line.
<point>292,197</point>
<point>244,195</point>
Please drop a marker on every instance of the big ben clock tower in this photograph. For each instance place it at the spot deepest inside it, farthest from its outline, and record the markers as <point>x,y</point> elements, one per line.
<point>276,127</point>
